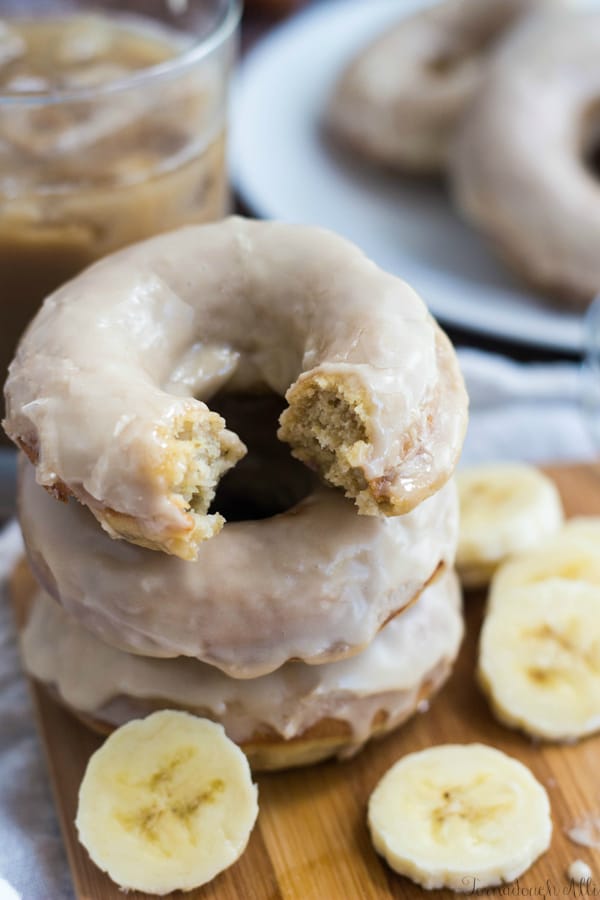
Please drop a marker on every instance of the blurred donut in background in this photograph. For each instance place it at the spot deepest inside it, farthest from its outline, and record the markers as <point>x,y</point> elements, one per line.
<point>399,101</point>
<point>527,160</point>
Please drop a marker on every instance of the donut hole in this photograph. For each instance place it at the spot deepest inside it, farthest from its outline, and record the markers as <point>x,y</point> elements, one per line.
<point>448,61</point>
<point>444,64</point>
<point>591,140</point>
<point>268,480</point>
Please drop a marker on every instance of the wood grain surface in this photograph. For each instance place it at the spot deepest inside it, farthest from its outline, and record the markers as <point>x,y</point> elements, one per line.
<point>311,841</point>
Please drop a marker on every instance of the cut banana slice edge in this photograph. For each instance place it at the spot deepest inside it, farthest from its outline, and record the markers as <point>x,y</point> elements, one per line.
<point>166,803</point>
<point>584,527</point>
<point>539,659</point>
<point>570,556</point>
<point>504,508</point>
<point>459,816</point>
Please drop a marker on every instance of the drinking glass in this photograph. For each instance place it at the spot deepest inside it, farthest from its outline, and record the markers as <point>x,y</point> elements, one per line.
<point>112,128</point>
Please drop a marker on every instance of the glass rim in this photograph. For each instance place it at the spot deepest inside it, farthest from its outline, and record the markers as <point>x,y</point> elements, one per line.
<point>201,49</point>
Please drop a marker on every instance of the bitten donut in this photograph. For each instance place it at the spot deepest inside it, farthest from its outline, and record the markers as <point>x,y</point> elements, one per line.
<point>523,167</point>
<point>294,716</point>
<point>399,101</point>
<point>314,583</point>
<point>106,392</point>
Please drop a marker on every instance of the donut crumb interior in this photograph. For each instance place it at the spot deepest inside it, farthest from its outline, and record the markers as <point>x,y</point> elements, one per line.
<point>199,452</point>
<point>325,425</point>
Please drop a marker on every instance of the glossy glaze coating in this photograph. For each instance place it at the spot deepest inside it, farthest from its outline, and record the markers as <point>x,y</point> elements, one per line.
<point>93,677</point>
<point>400,100</point>
<point>314,583</point>
<point>523,168</point>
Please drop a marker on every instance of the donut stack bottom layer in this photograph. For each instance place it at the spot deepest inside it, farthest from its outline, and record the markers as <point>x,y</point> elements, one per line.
<point>270,716</point>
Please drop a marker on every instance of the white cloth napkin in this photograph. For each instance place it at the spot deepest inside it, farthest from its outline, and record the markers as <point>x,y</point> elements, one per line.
<point>524,411</point>
<point>518,411</point>
<point>32,857</point>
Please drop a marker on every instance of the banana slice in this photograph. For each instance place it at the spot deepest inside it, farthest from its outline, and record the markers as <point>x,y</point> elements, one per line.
<point>504,508</point>
<point>539,659</point>
<point>570,556</point>
<point>166,803</point>
<point>459,816</point>
<point>586,527</point>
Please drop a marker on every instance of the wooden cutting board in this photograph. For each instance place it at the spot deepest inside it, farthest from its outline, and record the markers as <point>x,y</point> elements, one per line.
<point>311,841</point>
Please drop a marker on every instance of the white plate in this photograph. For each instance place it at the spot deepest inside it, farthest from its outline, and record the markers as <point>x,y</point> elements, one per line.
<point>284,169</point>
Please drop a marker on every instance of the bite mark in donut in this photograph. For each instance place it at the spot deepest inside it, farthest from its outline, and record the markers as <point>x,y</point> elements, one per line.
<point>199,450</point>
<point>326,425</point>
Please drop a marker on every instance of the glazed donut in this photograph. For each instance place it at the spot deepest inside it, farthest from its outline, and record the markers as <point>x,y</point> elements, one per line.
<point>523,164</point>
<point>103,393</point>
<point>294,716</point>
<point>399,101</point>
<point>314,583</point>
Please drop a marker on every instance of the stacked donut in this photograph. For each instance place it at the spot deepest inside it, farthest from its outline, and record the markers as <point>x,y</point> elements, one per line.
<point>326,609</point>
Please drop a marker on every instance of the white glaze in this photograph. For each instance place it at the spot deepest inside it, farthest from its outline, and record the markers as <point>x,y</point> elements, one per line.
<point>133,342</point>
<point>89,675</point>
<point>314,583</point>
<point>518,167</point>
